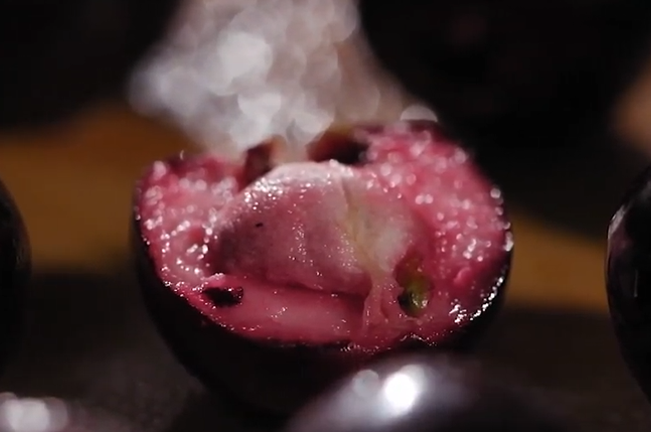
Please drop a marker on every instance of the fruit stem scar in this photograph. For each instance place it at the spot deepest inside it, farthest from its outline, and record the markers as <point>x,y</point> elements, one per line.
<point>416,287</point>
<point>225,296</point>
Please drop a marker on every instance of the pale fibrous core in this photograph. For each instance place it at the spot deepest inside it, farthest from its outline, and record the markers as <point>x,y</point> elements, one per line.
<point>232,73</point>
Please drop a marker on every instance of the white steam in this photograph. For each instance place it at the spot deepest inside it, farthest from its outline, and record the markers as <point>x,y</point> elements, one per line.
<point>235,72</point>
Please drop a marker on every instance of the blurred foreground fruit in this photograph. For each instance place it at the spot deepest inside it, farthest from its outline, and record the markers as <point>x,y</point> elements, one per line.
<point>417,393</point>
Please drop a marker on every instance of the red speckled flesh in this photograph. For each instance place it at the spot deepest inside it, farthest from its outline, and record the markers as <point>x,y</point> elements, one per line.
<point>311,252</point>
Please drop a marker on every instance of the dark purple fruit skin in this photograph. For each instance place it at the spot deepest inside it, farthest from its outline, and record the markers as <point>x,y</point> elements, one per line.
<point>59,56</point>
<point>15,268</point>
<point>507,73</point>
<point>628,279</point>
<point>450,394</point>
<point>271,378</point>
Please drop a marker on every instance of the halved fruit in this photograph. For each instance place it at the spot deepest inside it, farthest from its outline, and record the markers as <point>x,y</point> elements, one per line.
<point>275,278</point>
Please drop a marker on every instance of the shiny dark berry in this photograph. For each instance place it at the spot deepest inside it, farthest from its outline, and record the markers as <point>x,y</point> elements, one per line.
<point>628,278</point>
<point>15,266</point>
<point>420,393</point>
<point>512,73</point>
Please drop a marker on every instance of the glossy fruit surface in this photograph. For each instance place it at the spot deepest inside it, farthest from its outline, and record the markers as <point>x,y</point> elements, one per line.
<point>628,278</point>
<point>275,278</point>
<point>59,56</point>
<point>29,414</point>
<point>414,393</point>
<point>509,73</point>
<point>15,265</point>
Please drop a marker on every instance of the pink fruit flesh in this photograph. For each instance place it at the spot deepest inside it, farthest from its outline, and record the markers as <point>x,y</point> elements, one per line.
<point>411,243</point>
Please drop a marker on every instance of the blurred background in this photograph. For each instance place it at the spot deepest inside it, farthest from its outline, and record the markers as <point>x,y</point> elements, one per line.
<point>553,97</point>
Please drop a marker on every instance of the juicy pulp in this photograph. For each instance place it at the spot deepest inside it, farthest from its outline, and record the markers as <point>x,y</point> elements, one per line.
<point>321,253</point>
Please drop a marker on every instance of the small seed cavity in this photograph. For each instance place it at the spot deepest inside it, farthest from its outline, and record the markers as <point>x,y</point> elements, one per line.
<point>225,296</point>
<point>416,286</point>
<point>338,147</point>
<point>414,299</point>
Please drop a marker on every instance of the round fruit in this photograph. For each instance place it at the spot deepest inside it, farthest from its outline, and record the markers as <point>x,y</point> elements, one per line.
<point>422,393</point>
<point>628,277</point>
<point>58,56</point>
<point>29,414</point>
<point>276,278</point>
<point>15,265</point>
<point>498,71</point>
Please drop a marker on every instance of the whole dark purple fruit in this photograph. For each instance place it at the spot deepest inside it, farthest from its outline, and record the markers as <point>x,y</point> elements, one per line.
<point>423,393</point>
<point>273,279</point>
<point>24,413</point>
<point>628,278</point>
<point>57,56</point>
<point>512,73</point>
<point>15,266</point>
